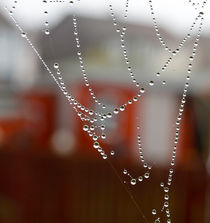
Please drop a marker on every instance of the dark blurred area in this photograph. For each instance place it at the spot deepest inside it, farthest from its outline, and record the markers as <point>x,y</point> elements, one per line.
<point>48,169</point>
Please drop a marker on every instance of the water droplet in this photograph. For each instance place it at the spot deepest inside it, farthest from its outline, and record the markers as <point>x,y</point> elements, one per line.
<point>96,145</point>
<point>146,175</point>
<point>122,108</point>
<point>92,127</point>
<point>125,171</point>
<point>109,115</point>
<point>151,83</point>
<point>166,197</point>
<point>47,32</point>
<point>99,149</point>
<point>166,204</point>
<point>103,136</point>
<point>116,111</point>
<point>23,34</point>
<point>85,128</point>
<point>105,157</point>
<point>112,152</point>
<point>133,181</point>
<point>140,178</point>
<point>95,137</point>
<point>102,127</point>
<point>154,212</point>
<point>142,90</point>
<point>56,65</point>
<point>145,165</point>
<point>166,189</point>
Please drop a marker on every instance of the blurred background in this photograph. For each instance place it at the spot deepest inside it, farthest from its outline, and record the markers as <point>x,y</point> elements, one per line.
<point>48,169</point>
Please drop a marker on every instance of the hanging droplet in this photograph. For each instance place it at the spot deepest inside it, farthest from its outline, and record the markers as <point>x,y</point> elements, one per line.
<point>166,197</point>
<point>109,115</point>
<point>99,149</point>
<point>125,171</point>
<point>166,189</point>
<point>122,108</point>
<point>151,83</point>
<point>23,34</point>
<point>133,181</point>
<point>95,137</point>
<point>105,157</point>
<point>142,90</point>
<point>154,212</point>
<point>96,145</point>
<point>146,175</point>
<point>85,128</point>
<point>112,152</point>
<point>116,111</point>
<point>47,32</point>
<point>56,65</point>
<point>103,136</point>
<point>140,178</point>
<point>103,127</point>
<point>166,204</point>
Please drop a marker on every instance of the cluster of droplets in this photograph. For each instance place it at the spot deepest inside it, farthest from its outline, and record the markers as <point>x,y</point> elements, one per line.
<point>178,121</point>
<point>46,23</point>
<point>90,129</point>
<point>84,72</point>
<point>165,206</point>
<point>197,5</point>
<point>121,31</point>
<point>13,7</point>
<point>59,80</point>
<point>57,1</point>
<point>121,107</point>
<point>89,116</point>
<point>146,175</point>
<point>46,13</point>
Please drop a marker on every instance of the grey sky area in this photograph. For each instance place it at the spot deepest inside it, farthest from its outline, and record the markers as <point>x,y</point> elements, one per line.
<point>174,15</point>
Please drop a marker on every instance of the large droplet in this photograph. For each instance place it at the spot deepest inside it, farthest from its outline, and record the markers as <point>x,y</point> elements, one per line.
<point>133,181</point>
<point>56,65</point>
<point>47,31</point>
<point>85,128</point>
<point>151,83</point>
<point>96,145</point>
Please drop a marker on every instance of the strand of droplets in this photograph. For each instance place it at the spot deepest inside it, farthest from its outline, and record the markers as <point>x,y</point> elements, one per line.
<point>85,75</point>
<point>46,23</point>
<point>173,52</point>
<point>191,58</point>
<point>84,117</point>
<point>121,31</point>
<point>166,188</point>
